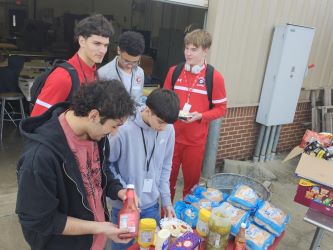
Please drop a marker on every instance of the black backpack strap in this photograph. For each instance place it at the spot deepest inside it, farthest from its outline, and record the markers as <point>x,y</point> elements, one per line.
<point>74,77</point>
<point>209,84</point>
<point>176,74</point>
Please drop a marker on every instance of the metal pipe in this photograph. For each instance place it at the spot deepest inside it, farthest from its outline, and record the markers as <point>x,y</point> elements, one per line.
<point>270,143</point>
<point>264,144</point>
<point>209,162</point>
<point>276,140</point>
<point>259,143</point>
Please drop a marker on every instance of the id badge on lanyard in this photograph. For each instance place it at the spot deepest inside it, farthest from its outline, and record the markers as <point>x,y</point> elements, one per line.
<point>187,107</point>
<point>147,185</point>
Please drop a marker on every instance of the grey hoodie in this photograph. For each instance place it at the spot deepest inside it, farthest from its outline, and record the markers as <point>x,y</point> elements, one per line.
<point>128,160</point>
<point>111,71</point>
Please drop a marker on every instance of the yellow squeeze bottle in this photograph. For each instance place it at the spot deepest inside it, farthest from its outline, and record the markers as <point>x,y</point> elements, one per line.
<point>146,234</point>
<point>202,224</point>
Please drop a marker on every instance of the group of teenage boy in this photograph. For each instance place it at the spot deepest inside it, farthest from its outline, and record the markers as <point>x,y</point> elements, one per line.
<point>80,152</point>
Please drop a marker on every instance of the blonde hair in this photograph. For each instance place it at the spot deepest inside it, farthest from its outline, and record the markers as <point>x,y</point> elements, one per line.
<point>198,38</point>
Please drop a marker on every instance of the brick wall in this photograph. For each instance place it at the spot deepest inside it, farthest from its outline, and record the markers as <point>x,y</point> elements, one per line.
<point>291,134</point>
<point>239,132</point>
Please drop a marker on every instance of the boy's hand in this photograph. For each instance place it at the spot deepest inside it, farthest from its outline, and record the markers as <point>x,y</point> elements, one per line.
<point>122,196</point>
<point>112,231</point>
<point>169,211</point>
<point>195,116</point>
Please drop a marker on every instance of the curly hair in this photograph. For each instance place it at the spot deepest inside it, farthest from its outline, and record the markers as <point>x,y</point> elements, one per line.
<point>93,25</point>
<point>165,104</point>
<point>132,43</point>
<point>110,98</point>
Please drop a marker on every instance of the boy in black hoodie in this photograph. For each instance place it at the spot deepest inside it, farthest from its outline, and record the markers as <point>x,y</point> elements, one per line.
<point>63,175</point>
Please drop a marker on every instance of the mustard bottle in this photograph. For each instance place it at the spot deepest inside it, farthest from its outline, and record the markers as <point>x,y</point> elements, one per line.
<point>146,234</point>
<point>202,224</point>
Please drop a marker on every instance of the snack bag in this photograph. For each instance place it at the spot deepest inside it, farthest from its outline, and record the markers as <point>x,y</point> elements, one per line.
<point>257,238</point>
<point>271,218</point>
<point>213,194</point>
<point>190,198</point>
<point>186,213</point>
<point>310,136</point>
<point>244,197</point>
<point>197,191</point>
<point>208,197</point>
<point>188,241</point>
<point>237,216</point>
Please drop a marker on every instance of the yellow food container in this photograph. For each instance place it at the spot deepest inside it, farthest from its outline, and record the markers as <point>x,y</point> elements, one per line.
<point>219,228</point>
<point>146,234</point>
<point>202,224</point>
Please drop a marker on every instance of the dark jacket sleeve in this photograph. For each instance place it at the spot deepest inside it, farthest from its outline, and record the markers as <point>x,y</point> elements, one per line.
<point>113,185</point>
<point>37,201</point>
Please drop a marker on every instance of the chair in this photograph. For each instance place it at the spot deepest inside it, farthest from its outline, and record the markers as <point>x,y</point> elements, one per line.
<point>9,91</point>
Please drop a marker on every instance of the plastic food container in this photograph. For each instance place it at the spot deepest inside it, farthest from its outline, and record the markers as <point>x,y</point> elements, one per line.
<point>219,229</point>
<point>146,234</point>
<point>202,224</point>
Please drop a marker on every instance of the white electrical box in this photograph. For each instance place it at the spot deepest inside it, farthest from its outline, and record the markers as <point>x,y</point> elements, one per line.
<point>285,71</point>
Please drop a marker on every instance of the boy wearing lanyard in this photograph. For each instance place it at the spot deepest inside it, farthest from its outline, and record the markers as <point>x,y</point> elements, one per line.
<point>125,67</point>
<point>92,34</point>
<point>141,154</point>
<point>190,87</point>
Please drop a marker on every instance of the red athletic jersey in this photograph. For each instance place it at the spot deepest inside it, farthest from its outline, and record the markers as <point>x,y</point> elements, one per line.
<point>191,88</point>
<point>59,83</point>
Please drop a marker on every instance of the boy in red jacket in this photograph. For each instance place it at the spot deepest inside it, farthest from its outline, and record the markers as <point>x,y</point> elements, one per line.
<point>191,134</point>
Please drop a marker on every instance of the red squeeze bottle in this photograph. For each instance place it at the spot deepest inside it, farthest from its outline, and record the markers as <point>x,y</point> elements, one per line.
<point>240,241</point>
<point>129,215</point>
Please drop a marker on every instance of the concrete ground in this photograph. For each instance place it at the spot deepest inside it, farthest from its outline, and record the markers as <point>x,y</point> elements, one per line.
<point>298,233</point>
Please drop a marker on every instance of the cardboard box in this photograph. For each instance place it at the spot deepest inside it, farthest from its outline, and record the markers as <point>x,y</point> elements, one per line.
<point>315,196</point>
<point>315,189</point>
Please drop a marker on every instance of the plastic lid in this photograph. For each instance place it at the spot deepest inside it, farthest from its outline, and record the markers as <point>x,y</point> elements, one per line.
<point>243,225</point>
<point>148,223</point>
<point>164,233</point>
<point>130,186</point>
<point>204,214</point>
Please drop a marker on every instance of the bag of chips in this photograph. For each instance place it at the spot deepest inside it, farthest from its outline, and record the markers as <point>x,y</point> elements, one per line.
<point>186,213</point>
<point>244,197</point>
<point>271,218</point>
<point>237,216</point>
<point>258,238</point>
<point>190,198</point>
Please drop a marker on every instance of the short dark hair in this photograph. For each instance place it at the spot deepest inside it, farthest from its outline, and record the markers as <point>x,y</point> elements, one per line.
<point>93,25</point>
<point>110,98</point>
<point>132,43</point>
<point>165,104</point>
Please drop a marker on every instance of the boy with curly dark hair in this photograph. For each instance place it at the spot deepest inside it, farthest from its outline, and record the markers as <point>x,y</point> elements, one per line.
<point>125,67</point>
<point>63,174</point>
<point>92,34</point>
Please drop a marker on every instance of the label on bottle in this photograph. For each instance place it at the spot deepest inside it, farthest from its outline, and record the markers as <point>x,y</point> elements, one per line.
<point>127,221</point>
<point>146,236</point>
<point>202,227</point>
<point>214,239</point>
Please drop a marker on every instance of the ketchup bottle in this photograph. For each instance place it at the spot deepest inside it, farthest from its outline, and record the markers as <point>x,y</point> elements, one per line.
<point>129,215</point>
<point>240,241</point>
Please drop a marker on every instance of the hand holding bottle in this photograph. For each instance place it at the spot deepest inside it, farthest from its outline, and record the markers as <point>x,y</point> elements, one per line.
<point>128,217</point>
<point>112,231</point>
<point>122,196</point>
